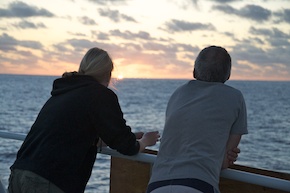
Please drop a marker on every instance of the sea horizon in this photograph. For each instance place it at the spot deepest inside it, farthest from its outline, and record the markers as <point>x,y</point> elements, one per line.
<point>144,78</point>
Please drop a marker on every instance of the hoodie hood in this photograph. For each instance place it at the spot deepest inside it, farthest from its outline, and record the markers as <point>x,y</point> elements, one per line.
<point>64,85</point>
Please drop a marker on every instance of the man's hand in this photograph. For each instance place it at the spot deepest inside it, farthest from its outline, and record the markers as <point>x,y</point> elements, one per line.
<point>232,155</point>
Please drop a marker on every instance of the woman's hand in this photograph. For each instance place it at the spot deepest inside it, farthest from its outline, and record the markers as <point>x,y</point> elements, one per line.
<point>148,139</point>
<point>139,135</point>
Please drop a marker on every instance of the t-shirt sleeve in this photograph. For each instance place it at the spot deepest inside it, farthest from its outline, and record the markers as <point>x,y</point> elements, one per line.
<point>240,125</point>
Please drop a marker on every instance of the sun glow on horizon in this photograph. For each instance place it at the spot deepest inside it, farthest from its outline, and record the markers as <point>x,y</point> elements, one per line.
<point>120,77</point>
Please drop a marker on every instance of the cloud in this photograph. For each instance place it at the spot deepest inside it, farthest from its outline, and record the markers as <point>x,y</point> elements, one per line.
<point>261,57</point>
<point>274,36</point>
<point>115,15</point>
<point>186,4</point>
<point>77,34</point>
<point>149,53</point>
<point>100,2</point>
<point>87,21</point>
<point>103,36</point>
<point>224,1</point>
<point>99,35</point>
<point>169,49</point>
<point>9,43</point>
<point>264,54</point>
<point>23,60</point>
<point>60,47</point>
<point>252,12</point>
<point>28,25</point>
<point>131,36</point>
<point>271,47</point>
<point>284,15</point>
<point>109,2</point>
<point>194,2</point>
<point>270,33</point>
<point>155,55</point>
<point>181,26</point>
<point>161,48</point>
<point>21,9</point>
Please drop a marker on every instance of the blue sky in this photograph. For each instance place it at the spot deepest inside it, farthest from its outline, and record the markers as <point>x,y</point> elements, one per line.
<point>146,39</point>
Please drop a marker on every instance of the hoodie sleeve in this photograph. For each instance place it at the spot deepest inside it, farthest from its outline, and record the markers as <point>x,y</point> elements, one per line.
<point>112,126</point>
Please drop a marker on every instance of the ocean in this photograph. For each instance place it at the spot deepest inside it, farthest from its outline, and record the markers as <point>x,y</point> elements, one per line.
<point>143,102</point>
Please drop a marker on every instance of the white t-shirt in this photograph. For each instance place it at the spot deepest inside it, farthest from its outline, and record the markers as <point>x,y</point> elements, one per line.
<point>200,116</point>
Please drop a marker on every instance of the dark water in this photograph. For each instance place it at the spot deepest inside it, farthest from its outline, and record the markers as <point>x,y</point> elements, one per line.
<point>143,102</point>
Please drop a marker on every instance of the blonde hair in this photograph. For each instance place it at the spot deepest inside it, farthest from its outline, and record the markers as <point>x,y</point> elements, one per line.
<point>96,63</point>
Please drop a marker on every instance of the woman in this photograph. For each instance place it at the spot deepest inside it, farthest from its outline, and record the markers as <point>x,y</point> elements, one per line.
<point>60,149</point>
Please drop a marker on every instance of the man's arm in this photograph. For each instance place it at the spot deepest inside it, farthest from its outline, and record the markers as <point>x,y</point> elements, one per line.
<point>231,150</point>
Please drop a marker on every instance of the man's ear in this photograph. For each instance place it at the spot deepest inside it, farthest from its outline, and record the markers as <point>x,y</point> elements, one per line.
<point>194,76</point>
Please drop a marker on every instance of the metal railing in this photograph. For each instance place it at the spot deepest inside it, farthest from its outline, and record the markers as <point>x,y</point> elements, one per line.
<point>247,177</point>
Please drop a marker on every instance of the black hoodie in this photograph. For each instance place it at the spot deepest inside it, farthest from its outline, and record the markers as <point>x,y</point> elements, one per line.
<point>61,143</point>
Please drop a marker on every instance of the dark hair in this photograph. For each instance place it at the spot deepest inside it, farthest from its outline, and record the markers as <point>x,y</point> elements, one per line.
<point>213,64</point>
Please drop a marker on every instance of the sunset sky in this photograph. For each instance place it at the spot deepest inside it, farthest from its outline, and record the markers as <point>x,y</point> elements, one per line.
<point>146,39</point>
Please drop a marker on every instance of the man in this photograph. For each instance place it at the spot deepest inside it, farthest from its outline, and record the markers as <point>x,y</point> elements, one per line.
<point>205,119</point>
